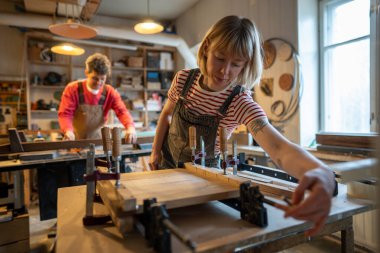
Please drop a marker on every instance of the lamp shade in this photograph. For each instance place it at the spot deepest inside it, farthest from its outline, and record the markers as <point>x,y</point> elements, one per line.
<point>148,27</point>
<point>73,29</point>
<point>67,49</point>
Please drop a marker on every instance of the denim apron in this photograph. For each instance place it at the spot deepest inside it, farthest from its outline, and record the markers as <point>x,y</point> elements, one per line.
<point>88,119</point>
<point>176,149</point>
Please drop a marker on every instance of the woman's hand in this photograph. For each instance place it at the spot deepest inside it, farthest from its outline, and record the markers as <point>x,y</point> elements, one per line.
<point>130,135</point>
<point>154,160</point>
<point>316,207</point>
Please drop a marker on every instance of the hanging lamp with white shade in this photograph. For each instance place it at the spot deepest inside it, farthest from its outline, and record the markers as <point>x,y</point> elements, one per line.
<point>148,26</point>
<point>67,49</point>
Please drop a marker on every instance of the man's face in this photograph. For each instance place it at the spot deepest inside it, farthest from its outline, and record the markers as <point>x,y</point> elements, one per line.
<point>95,81</point>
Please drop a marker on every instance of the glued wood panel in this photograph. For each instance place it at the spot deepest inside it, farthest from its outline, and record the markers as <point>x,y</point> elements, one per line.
<point>174,187</point>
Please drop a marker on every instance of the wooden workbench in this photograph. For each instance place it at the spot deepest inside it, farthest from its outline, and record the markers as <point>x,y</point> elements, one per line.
<point>213,226</point>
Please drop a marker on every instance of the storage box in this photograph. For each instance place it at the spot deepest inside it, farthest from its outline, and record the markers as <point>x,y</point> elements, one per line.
<point>134,61</point>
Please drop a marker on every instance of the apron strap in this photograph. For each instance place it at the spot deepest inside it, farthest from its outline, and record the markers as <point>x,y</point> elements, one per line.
<point>189,81</point>
<point>223,109</point>
<point>103,96</point>
<point>81,93</point>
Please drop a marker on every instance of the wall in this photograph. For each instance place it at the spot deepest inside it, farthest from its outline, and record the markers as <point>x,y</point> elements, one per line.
<point>11,44</point>
<point>274,18</point>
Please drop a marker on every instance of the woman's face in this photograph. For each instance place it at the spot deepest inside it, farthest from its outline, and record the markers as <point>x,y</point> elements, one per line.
<point>222,69</point>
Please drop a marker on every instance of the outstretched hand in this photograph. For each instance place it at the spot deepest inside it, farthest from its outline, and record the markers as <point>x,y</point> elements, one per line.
<point>316,206</point>
<point>69,135</point>
<point>130,135</point>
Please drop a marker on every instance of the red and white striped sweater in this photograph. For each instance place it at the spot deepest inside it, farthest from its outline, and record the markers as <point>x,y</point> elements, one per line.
<point>242,109</point>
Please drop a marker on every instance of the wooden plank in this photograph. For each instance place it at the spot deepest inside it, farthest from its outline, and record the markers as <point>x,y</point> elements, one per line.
<point>265,187</point>
<point>72,236</point>
<point>213,226</point>
<point>355,170</point>
<point>16,230</point>
<point>108,193</point>
<point>347,150</point>
<point>347,140</point>
<point>16,247</point>
<point>175,188</point>
<point>55,145</point>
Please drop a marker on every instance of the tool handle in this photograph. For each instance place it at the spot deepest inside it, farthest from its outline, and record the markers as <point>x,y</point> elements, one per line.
<point>192,137</point>
<point>223,139</point>
<point>116,142</point>
<point>184,238</point>
<point>106,138</point>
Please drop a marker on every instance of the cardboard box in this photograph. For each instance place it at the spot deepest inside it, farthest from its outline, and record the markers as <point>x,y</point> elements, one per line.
<point>134,61</point>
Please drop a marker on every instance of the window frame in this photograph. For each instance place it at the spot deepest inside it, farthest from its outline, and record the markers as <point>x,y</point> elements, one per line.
<point>322,49</point>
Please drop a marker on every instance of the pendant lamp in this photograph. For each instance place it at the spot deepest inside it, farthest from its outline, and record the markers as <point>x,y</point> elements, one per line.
<point>67,49</point>
<point>148,26</point>
<point>73,28</point>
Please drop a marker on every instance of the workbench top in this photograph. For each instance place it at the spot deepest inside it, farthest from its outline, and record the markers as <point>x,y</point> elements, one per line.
<point>213,226</point>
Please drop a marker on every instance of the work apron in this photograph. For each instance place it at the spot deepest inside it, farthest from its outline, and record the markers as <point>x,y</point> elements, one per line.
<point>176,149</point>
<point>88,119</point>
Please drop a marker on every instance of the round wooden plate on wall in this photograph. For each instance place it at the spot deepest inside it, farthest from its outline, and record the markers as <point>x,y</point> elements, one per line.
<point>269,54</point>
<point>285,52</point>
<point>286,82</point>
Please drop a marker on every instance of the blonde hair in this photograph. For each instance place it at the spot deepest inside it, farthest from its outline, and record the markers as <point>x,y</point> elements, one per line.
<point>238,37</point>
<point>99,64</point>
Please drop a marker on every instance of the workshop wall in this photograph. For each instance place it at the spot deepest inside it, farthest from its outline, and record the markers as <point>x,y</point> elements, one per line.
<point>12,51</point>
<point>274,18</point>
<point>286,19</point>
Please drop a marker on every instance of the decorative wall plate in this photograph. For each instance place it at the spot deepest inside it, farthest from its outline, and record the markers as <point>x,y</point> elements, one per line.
<point>285,52</point>
<point>286,82</point>
<point>269,54</point>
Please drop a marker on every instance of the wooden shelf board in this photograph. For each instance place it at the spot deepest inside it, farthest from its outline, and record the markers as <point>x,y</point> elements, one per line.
<point>39,86</point>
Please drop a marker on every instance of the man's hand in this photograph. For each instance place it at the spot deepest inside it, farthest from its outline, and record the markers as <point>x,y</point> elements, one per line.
<point>316,206</point>
<point>69,135</point>
<point>130,135</point>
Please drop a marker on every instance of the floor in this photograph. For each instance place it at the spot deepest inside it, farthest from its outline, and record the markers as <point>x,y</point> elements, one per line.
<point>42,239</point>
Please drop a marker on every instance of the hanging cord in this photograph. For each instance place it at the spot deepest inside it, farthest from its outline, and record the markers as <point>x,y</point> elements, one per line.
<point>287,112</point>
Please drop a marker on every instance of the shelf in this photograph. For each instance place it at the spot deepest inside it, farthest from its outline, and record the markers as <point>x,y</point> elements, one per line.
<point>50,63</point>
<point>128,68</point>
<point>12,79</point>
<point>11,92</point>
<point>159,70</point>
<point>129,89</point>
<point>11,103</point>
<point>47,86</point>
<point>43,111</point>
<point>73,67</point>
<point>157,90</point>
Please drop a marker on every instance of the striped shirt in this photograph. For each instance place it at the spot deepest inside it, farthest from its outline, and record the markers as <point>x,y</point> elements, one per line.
<point>242,109</point>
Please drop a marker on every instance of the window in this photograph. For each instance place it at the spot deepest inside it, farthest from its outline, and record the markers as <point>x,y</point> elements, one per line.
<point>345,66</point>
